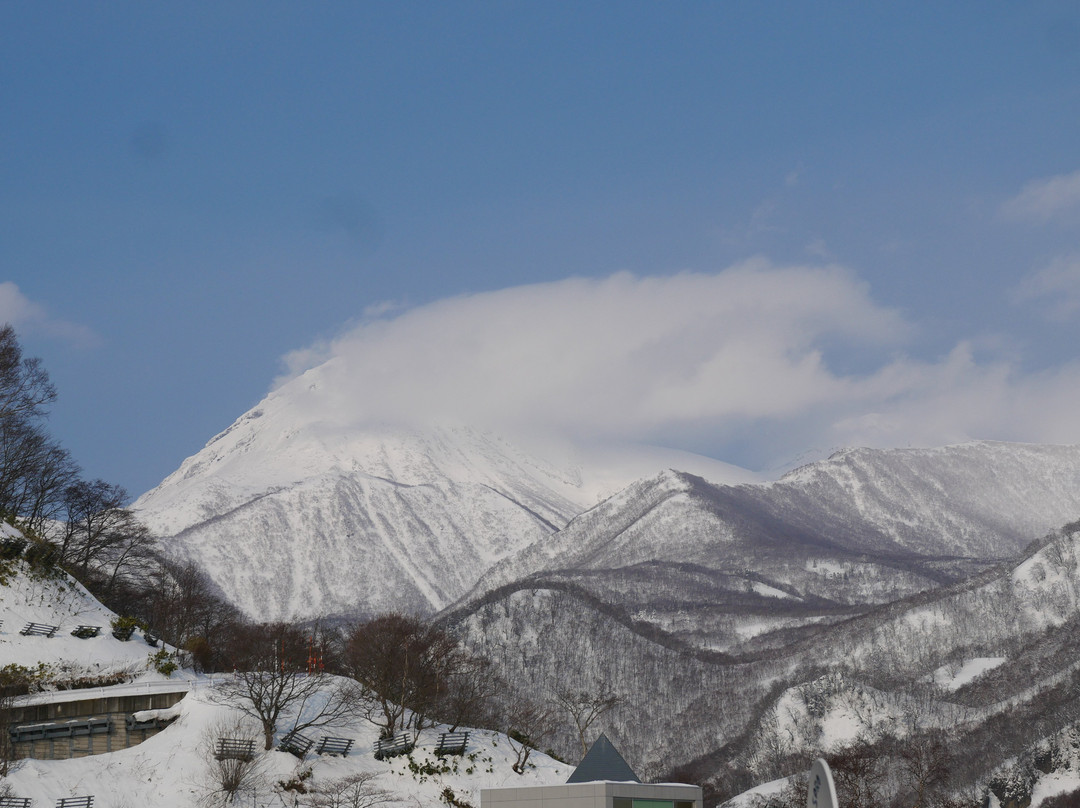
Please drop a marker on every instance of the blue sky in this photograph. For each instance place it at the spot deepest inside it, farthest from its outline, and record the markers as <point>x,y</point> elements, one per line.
<point>198,198</point>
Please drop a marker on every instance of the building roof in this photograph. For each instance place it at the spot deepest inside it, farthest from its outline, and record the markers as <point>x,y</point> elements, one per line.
<point>603,762</point>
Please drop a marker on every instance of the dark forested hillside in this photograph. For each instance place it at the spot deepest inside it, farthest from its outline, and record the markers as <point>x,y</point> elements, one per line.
<point>757,709</point>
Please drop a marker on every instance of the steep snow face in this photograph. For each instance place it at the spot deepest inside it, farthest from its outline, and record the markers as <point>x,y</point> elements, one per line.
<point>301,508</point>
<point>906,508</point>
<point>980,499</point>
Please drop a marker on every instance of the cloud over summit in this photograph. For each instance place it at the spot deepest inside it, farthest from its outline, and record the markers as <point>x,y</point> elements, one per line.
<point>748,355</point>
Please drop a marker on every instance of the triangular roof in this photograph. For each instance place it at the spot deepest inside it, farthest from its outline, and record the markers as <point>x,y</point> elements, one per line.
<point>603,762</point>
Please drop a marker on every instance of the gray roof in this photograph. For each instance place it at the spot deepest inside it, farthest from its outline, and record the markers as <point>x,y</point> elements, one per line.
<point>603,762</point>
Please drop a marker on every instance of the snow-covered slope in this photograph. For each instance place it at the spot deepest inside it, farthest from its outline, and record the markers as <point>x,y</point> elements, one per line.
<point>302,508</point>
<point>58,600</point>
<point>863,525</point>
<point>1007,637</point>
<point>176,767</point>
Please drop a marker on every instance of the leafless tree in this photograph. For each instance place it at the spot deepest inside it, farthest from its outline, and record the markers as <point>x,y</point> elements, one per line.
<point>33,468</point>
<point>354,791</point>
<point>181,604</point>
<point>472,688</point>
<point>271,680</point>
<point>527,726</point>
<point>403,664</point>
<point>228,777</point>
<point>860,775</point>
<point>585,708</point>
<point>925,761</point>
<point>102,539</point>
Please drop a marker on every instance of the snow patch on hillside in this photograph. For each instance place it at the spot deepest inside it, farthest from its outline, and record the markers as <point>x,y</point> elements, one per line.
<point>951,677</point>
<point>65,603</point>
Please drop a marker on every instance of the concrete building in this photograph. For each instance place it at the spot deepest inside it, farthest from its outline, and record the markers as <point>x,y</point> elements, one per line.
<point>602,780</point>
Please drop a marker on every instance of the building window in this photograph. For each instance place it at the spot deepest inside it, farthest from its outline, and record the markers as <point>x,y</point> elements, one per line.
<point>627,802</point>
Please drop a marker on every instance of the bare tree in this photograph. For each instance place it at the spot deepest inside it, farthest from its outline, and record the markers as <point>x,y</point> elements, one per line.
<point>926,761</point>
<point>585,708</point>
<point>354,791</point>
<point>33,468</point>
<point>527,726</point>
<point>271,680</point>
<point>228,777</point>
<point>25,389</point>
<point>102,539</point>
<point>182,605</point>
<point>860,775</point>
<point>472,688</point>
<point>403,664</point>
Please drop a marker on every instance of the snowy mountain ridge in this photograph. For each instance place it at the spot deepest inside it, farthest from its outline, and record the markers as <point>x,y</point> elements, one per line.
<point>301,508</point>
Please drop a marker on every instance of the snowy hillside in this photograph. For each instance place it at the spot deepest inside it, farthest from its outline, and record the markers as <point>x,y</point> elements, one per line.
<point>907,508</point>
<point>60,601</point>
<point>990,660</point>
<point>176,768</point>
<point>302,508</point>
<point>736,569</point>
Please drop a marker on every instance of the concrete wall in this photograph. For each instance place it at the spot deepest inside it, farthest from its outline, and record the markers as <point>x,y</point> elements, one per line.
<point>114,708</point>
<point>584,795</point>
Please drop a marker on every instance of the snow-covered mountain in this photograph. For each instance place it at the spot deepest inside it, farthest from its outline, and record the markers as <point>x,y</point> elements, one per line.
<point>989,660</point>
<point>302,508</point>
<point>722,566</point>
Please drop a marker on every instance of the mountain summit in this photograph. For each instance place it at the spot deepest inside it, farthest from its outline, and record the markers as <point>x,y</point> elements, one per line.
<point>303,508</point>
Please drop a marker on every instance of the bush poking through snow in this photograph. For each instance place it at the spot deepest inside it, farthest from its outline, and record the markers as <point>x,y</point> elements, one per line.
<point>355,791</point>
<point>229,777</point>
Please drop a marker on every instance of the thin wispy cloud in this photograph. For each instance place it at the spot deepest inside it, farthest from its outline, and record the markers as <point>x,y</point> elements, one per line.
<point>746,351</point>
<point>1045,199</point>
<point>1056,285</point>
<point>27,316</point>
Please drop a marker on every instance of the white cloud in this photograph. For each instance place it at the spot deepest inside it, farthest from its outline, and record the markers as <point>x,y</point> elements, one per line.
<point>1058,284</point>
<point>25,315</point>
<point>1042,200</point>
<point>745,356</point>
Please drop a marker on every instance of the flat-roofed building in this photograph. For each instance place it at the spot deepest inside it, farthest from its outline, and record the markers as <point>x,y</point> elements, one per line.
<point>602,780</point>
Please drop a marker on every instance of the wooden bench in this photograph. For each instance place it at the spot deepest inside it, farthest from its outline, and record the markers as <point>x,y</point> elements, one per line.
<point>151,640</point>
<point>86,632</point>
<point>75,802</point>
<point>296,743</point>
<point>452,743</point>
<point>234,749</point>
<point>397,745</point>
<point>39,630</point>
<point>334,746</point>
<point>15,802</point>
<point>123,633</point>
